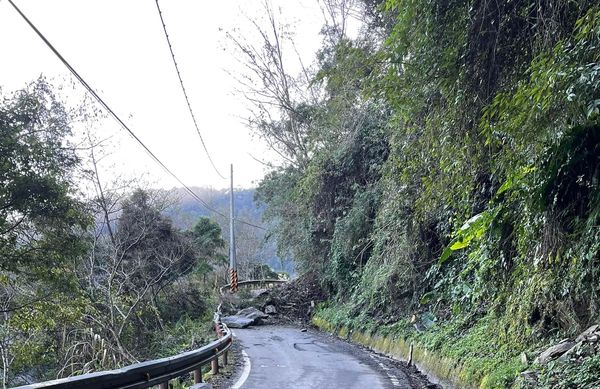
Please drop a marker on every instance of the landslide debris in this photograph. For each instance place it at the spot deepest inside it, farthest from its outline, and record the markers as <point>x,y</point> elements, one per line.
<point>294,301</point>
<point>245,317</point>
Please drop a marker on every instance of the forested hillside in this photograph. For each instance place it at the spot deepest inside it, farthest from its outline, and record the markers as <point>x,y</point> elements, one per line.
<point>97,281</point>
<point>98,272</point>
<point>253,246</point>
<point>186,209</point>
<point>444,162</point>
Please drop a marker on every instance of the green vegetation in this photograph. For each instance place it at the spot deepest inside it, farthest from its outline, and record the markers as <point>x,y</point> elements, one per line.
<point>90,283</point>
<point>472,353</point>
<point>445,163</point>
<point>441,176</point>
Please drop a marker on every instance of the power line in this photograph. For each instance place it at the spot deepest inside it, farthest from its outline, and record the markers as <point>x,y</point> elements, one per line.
<point>187,100</point>
<point>118,119</point>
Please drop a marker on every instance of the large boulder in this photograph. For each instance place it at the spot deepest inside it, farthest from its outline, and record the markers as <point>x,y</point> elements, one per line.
<point>236,321</point>
<point>245,317</point>
<point>554,352</point>
<point>591,334</point>
<point>253,314</point>
<point>588,344</point>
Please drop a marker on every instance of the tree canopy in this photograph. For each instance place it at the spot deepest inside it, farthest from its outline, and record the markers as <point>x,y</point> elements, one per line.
<point>451,168</point>
<point>41,221</point>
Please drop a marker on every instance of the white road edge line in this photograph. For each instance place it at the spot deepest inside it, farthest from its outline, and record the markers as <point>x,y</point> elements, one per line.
<point>392,377</point>
<point>245,372</point>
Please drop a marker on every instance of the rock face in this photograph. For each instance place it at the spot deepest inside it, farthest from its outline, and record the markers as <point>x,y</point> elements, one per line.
<point>554,352</point>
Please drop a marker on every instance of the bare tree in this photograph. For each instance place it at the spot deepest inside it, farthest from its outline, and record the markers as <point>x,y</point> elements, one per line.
<point>135,253</point>
<point>275,95</point>
<point>284,105</point>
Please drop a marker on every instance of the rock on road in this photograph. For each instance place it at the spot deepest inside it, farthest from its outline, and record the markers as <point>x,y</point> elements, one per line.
<point>286,357</point>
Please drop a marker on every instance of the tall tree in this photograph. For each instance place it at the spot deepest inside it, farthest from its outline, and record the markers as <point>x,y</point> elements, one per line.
<point>40,219</point>
<point>42,226</point>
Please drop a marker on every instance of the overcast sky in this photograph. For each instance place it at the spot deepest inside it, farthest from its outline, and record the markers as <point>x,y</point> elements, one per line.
<point>119,47</point>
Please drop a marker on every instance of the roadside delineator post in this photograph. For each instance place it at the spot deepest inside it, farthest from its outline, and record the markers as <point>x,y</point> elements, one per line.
<point>233,280</point>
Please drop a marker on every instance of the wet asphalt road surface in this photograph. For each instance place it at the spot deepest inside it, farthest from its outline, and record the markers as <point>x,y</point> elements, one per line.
<point>286,357</point>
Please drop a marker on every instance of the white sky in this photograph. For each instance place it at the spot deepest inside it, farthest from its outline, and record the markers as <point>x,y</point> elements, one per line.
<point>119,47</point>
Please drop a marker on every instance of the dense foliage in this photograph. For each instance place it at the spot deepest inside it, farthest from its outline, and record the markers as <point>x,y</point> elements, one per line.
<point>90,282</point>
<point>450,167</point>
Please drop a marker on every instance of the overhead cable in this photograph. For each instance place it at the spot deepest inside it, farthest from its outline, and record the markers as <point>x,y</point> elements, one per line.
<point>121,122</point>
<point>187,100</point>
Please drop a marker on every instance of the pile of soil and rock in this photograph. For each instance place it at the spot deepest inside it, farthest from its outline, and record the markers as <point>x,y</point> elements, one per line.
<point>294,301</point>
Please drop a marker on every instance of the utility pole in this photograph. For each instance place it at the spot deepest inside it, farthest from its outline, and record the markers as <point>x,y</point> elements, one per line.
<point>232,260</point>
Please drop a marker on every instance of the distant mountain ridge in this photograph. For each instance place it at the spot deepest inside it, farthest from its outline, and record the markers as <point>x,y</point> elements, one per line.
<point>250,241</point>
<point>188,209</point>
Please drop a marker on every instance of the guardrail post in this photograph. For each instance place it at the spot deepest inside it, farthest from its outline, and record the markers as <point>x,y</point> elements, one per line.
<point>164,385</point>
<point>198,375</point>
<point>214,364</point>
<point>225,358</point>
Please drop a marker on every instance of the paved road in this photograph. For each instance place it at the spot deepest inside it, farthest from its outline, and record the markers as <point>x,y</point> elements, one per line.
<point>285,357</point>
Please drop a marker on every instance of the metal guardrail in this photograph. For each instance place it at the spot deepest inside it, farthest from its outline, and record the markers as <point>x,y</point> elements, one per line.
<point>160,371</point>
<point>252,283</point>
<point>156,372</point>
